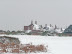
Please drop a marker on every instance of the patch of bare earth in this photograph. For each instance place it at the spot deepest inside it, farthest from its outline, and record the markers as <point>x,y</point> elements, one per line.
<point>21,48</point>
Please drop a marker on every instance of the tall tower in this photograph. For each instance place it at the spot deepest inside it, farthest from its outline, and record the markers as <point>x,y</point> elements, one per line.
<point>55,27</point>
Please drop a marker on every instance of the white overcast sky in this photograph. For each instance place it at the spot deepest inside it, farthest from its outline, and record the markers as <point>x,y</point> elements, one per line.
<point>14,14</point>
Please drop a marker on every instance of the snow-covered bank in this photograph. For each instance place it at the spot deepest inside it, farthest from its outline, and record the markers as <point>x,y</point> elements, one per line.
<point>56,45</point>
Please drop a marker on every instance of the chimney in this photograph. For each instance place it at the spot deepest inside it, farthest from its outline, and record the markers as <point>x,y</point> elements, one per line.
<point>31,21</point>
<point>35,22</point>
<point>45,25</point>
<point>61,29</point>
<point>50,25</point>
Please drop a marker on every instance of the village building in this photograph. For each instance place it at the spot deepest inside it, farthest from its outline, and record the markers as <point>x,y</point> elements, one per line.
<point>2,32</point>
<point>33,29</point>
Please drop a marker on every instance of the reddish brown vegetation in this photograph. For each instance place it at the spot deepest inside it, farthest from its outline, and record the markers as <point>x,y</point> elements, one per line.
<point>21,48</point>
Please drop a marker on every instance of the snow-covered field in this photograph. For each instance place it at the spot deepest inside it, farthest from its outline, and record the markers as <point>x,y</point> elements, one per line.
<point>56,45</point>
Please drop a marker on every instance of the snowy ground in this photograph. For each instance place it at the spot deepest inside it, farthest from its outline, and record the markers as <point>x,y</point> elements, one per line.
<point>56,45</point>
